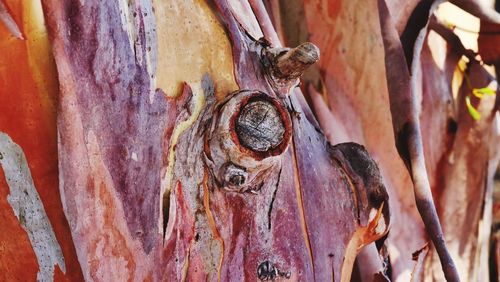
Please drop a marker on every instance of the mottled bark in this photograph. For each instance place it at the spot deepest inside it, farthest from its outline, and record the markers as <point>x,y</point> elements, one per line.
<point>35,239</point>
<point>211,184</point>
<point>351,52</point>
<point>187,150</point>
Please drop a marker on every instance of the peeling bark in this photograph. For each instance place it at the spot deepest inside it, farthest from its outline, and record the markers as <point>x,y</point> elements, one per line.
<point>479,9</point>
<point>28,101</point>
<point>419,258</point>
<point>9,22</point>
<point>209,185</point>
<point>464,181</point>
<point>28,208</point>
<point>181,162</point>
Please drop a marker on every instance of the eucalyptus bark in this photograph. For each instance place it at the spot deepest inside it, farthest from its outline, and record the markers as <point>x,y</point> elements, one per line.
<point>192,145</point>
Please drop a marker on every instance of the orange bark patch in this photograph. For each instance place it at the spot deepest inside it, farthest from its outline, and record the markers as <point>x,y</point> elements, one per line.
<point>28,93</point>
<point>17,258</point>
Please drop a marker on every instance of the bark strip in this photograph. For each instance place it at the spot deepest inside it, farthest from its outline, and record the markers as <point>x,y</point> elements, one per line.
<point>29,210</point>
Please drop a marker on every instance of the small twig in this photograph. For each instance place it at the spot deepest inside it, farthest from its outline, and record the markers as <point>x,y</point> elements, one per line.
<point>451,38</point>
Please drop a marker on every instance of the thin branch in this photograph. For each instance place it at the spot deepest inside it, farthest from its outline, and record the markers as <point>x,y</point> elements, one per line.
<point>451,38</point>
<point>265,22</point>
<point>404,110</point>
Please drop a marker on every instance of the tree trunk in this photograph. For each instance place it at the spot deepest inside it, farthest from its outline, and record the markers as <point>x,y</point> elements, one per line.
<point>177,141</point>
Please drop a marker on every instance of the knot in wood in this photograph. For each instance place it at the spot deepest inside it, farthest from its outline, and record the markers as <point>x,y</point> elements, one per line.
<point>234,176</point>
<point>259,126</point>
<point>266,271</point>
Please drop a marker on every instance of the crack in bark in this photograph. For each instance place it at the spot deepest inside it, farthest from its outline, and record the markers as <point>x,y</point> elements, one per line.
<point>272,200</point>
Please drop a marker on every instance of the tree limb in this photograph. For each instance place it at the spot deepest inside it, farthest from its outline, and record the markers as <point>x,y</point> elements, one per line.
<point>405,113</point>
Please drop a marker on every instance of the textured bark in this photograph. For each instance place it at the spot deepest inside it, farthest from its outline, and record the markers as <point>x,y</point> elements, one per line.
<point>352,103</point>
<point>180,188</point>
<point>346,33</point>
<point>187,151</point>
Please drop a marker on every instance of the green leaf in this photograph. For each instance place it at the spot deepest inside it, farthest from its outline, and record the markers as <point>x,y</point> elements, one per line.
<point>472,111</point>
<point>480,92</point>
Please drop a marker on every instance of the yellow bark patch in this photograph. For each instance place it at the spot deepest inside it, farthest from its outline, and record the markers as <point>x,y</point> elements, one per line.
<point>199,101</point>
<point>191,42</point>
<point>40,59</point>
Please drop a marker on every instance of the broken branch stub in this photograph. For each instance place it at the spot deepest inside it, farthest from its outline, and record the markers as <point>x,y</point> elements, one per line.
<point>286,65</point>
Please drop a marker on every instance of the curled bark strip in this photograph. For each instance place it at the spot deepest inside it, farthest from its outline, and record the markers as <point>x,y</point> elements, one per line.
<point>264,21</point>
<point>405,113</point>
<point>479,9</point>
<point>416,22</point>
<point>419,258</point>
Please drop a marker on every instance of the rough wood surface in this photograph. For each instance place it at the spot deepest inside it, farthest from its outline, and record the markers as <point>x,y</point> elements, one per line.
<point>259,126</point>
<point>169,188</point>
<point>181,162</point>
<point>351,100</point>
